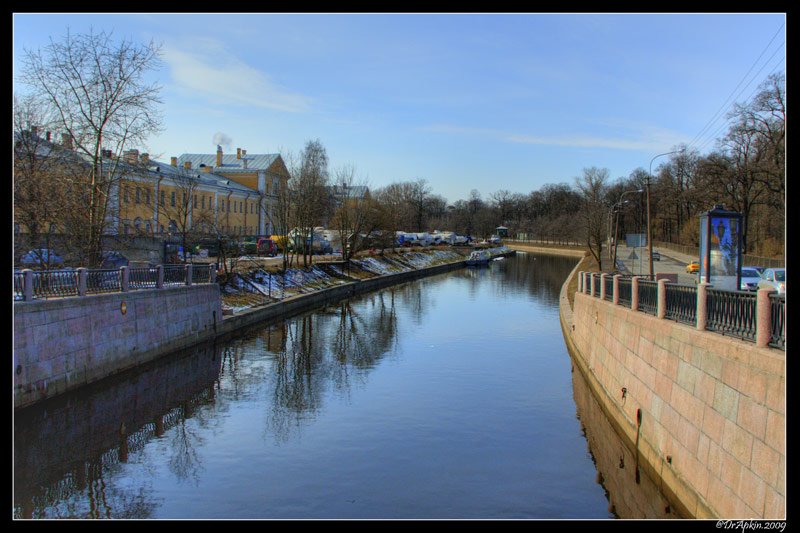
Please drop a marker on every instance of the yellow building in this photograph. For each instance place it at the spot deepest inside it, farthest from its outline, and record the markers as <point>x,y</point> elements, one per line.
<point>232,195</point>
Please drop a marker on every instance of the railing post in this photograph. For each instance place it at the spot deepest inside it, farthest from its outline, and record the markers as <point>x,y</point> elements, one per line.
<point>615,293</point>
<point>603,277</point>
<point>661,306</point>
<point>763,317</point>
<point>635,293</point>
<point>159,276</point>
<point>702,305</point>
<point>27,284</point>
<point>188,268</point>
<point>83,275</point>
<point>591,284</point>
<point>124,278</point>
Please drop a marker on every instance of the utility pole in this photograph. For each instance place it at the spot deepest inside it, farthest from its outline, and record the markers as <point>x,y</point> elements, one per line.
<point>649,231</point>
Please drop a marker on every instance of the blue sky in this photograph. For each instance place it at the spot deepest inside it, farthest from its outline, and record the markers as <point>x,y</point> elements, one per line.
<point>464,101</point>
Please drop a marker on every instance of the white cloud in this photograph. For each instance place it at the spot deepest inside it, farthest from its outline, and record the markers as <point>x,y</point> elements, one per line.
<point>637,138</point>
<point>210,70</point>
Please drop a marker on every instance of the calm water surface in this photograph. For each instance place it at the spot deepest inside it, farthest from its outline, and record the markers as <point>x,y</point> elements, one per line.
<point>447,397</point>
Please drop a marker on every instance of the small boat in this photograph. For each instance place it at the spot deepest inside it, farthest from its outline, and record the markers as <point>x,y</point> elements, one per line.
<point>478,258</point>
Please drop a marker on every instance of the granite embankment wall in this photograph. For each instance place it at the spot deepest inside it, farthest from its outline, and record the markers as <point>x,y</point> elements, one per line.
<point>66,343</point>
<point>704,413</point>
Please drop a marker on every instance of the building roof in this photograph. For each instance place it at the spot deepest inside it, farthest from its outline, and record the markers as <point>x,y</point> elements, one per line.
<point>229,161</point>
<point>204,178</point>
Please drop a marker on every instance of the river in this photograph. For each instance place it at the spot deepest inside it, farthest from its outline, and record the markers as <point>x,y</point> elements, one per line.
<point>447,397</point>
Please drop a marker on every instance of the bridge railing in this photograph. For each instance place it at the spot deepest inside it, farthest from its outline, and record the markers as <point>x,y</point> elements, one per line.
<point>31,285</point>
<point>758,317</point>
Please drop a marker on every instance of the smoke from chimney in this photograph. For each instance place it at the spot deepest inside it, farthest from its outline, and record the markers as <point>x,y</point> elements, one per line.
<point>222,140</point>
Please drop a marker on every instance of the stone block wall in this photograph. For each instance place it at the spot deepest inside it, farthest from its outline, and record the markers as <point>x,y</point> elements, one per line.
<point>64,343</point>
<point>713,408</point>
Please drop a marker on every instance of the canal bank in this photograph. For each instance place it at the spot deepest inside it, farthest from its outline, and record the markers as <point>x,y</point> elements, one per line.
<point>63,344</point>
<point>703,414</point>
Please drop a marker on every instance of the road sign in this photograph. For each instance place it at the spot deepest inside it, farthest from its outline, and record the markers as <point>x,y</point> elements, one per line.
<point>633,255</point>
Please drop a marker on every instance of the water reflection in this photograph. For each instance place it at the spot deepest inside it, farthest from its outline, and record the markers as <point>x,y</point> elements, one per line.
<point>65,449</point>
<point>631,492</point>
<point>443,397</point>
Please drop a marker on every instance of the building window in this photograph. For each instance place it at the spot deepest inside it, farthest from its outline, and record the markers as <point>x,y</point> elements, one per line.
<point>234,207</point>
<point>202,202</point>
<point>147,226</point>
<point>147,196</point>
<point>138,195</point>
<point>162,198</point>
<point>125,195</point>
<point>173,226</point>
<point>172,199</point>
<point>137,224</point>
<point>194,196</point>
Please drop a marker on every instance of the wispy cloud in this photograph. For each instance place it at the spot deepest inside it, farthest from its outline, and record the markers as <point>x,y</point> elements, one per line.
<point>209,69</point>
<point>638,138</point>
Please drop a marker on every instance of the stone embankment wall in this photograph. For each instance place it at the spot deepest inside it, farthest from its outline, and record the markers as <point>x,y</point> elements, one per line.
<point>704,413</point>
<point>62,344</point>
<point>65,343</point>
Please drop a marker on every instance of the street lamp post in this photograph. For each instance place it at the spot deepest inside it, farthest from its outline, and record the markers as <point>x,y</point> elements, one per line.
<point>617,207</point>
<point>649,230</point>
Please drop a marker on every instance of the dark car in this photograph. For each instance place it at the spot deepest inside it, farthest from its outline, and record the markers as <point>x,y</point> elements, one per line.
<point>113,259</point>
<point>656,256</point>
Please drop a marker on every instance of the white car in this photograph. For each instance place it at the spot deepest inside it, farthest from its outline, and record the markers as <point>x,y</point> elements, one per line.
<point>750,279</point>
<point>774,278</point>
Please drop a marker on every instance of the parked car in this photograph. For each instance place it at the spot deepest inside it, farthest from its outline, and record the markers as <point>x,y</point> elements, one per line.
<point>774,278</point>
<point>248,247</point>
<point>41,257</point>
<point>113,259</point>
<point>656,256</point>
<point>267,247</point>
<point>750,279</point>
<point>758,269</point>
<point>693,267</point>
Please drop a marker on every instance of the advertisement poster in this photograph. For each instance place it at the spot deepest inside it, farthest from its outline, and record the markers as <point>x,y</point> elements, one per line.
<point>724,253</point>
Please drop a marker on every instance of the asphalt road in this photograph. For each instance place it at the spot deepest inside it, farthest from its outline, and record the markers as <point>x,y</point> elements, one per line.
<point>636,262</point>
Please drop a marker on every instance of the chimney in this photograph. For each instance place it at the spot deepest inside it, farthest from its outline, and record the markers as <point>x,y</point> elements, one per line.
<point>244,163</point>
<point>187,165</point>
<point>66,141</point>
<point>173,161</point>
<point>131,156</point>
<point>144,159</point>
<point>219,155</point>
<point>238,153</point>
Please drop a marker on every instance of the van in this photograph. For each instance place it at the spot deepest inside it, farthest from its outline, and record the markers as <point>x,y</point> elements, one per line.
<point>267,247</point>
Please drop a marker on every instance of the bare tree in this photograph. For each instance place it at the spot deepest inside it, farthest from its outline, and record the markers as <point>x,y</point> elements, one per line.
<point>353,216</point>
<point>96,88</point>
<point>592,186</point>
<point>181,209</point>
<point>40,192</point>
<point>309,195</point>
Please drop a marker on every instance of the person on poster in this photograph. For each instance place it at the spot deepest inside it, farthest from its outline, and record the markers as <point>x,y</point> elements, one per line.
<point>723,262</point>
